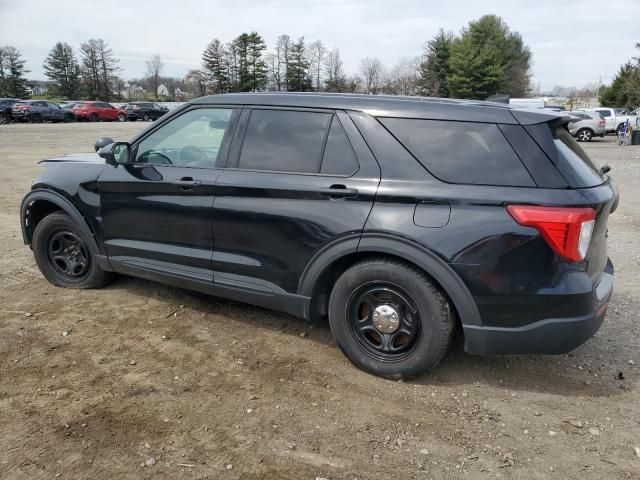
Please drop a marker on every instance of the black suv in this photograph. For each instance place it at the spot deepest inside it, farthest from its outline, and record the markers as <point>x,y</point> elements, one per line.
<point>144,111</point>
<point>5,109</point>
<point>399,219</point>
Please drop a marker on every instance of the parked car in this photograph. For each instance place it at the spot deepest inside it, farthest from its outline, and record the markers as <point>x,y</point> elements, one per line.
<point>95,111</point>
<point>69,104</point>
<point>398,219</point>
<point>145,111</point>
<point>5,109</point>
<point>587,126</point>
<point>36,111</point>
<point>613,119</point>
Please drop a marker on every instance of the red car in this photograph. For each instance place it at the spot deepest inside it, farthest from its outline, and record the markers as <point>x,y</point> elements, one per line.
<point>94,111</point>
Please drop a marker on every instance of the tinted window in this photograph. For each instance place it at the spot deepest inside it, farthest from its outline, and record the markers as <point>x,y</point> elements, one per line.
<point>53,106</point>
<point>285,141</point>
<point>604,113</point>
<point>461,152</point>
<point>189,140</point>
<point>574,163</point>
<point>339,157</point>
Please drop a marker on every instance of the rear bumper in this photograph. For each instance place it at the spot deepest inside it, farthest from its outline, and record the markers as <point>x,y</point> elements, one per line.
<point>547,336</point>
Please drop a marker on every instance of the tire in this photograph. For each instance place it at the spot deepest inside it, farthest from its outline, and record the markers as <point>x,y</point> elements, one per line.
<point>93,117</point>
<point>424,322</point>
<point>146,117</point>
<point>62,254</point>
<point>122,117</point>
<point>4,119</point>
<point>69,118</point>
<point>35,118</point>
<point>584,135</point>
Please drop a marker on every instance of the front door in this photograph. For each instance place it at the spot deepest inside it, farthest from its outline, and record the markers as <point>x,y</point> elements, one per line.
<point>292,186</point>
<point>156,211</point>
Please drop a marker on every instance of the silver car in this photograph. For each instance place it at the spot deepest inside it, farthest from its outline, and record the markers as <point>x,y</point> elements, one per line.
<point>587,125</point>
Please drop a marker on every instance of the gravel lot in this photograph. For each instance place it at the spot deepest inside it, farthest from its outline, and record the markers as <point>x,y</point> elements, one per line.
<point>155,382</point>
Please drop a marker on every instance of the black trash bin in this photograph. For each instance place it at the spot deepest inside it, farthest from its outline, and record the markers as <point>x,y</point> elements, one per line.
<point>635,136</point>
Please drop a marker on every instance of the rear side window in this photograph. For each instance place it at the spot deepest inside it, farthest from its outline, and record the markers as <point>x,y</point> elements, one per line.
<point>286,141</point>
<point>604,113</point>
<point>339,157</point>
<point>461,152</point>
<point>576,161</point>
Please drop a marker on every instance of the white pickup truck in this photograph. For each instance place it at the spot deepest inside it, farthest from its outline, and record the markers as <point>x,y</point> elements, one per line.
<point>614,118</point>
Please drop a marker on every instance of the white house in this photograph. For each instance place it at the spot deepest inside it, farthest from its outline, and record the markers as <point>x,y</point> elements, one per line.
<point>163,90</point>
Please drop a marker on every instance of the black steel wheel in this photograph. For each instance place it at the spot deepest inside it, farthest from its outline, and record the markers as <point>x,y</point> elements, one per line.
<point>384,320</point>
<point>93,117</point>
<point>68,255</point>
<point>146,117</point>
<point>63,255</point>
<point>389,318</point>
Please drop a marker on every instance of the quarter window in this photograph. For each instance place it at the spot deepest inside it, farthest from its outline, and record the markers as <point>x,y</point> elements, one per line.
<point>288,141</point>
<point>339,157</point>
<point>461,152</point>
<point>192,139</point>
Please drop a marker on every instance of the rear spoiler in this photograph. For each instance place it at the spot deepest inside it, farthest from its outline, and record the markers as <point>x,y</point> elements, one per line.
<point>534,116</point>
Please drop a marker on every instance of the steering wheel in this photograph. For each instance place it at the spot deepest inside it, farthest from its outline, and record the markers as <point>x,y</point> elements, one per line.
<point>191,155</point>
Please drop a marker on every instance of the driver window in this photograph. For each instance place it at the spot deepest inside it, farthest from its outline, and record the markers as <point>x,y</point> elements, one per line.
<point>189,140</point>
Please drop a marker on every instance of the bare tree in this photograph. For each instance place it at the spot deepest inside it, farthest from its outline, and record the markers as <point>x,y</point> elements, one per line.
<point>372,73</point>
<point>317,53</point>
<point>155,65</point>
<point>335,78</point>
<point>283,48</point>
<point>403,77</point>
<point>196,81</point>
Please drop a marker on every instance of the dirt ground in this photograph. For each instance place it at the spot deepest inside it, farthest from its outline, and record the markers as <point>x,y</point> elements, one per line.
<point>139,380</point>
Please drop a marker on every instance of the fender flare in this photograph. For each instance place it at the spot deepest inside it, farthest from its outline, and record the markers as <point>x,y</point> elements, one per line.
<point>66,206</point>
<point>413,253</point>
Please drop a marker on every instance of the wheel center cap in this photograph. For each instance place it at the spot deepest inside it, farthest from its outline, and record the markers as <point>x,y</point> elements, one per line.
<point>386,319</point>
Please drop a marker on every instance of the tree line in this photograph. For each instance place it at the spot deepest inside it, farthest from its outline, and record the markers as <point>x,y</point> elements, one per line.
<point>485,58</point>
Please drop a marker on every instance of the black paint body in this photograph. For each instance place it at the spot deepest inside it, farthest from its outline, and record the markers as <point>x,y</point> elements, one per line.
<point>276,239</point>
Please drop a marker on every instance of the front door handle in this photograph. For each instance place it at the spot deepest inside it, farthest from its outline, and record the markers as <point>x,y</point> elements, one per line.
<point>186,183</point>
<point>339,191</point>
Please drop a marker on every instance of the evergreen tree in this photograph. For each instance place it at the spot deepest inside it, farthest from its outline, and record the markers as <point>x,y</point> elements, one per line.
<point>257,68</point>
<point>99,68</point>
<point>487,59</point>
<point>215,66</point>
<point>61,67</point>
<point>434,69</point>
<point>624,91</point>
<point>13,73</point>
<point>298,68</point>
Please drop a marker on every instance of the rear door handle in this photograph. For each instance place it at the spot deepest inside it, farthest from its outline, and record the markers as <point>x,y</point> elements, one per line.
<point>338,191</point>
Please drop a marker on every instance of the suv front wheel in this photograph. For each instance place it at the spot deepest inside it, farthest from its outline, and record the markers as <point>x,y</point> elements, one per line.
<point>389,319</point>
<point>63,256</point>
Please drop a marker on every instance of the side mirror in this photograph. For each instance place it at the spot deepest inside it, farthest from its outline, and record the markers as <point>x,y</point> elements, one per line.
<point>117,153</point>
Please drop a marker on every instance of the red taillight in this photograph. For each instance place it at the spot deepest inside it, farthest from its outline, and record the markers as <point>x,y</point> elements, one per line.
<point>601,122</point>
<point>566,230</point>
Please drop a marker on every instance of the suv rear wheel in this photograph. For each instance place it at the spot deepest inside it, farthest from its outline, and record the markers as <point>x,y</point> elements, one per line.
<point>63,256</point>
<point>389,319</point>
<point>584,135</point>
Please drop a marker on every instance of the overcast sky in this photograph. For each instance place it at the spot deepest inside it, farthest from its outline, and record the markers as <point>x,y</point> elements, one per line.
<point>574,42</point>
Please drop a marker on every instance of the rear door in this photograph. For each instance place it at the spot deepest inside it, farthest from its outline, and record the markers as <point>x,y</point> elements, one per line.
<point>292,186</point>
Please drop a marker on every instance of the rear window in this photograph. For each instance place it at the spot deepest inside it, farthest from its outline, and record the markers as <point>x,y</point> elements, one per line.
<point>461,152</point>
<point>574,161</point>
<point>286,141</point>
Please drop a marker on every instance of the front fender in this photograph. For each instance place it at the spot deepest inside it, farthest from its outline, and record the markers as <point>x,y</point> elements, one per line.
<point>64,205</point>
